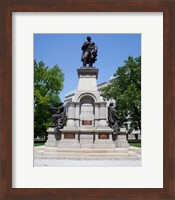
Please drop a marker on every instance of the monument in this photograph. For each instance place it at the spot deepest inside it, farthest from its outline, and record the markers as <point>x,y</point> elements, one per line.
<point>86,122</point>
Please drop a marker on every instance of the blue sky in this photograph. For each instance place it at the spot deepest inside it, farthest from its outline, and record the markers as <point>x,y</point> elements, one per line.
<point>65,51</point>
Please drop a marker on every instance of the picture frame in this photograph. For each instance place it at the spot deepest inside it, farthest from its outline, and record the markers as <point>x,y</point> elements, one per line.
<point>6,10</point>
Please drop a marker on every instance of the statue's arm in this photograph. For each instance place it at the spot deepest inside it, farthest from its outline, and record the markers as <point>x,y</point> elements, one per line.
<point>84,46</point>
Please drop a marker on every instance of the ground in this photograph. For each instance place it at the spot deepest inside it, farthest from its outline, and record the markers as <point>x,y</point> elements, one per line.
<point>87,163</point>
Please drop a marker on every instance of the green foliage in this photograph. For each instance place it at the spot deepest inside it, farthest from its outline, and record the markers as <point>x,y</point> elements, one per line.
<point>125,89</point>
<point>36,144</point>
<point>48,82</point>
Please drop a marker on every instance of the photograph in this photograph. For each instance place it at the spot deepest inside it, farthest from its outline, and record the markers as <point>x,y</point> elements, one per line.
<point>87,100</point>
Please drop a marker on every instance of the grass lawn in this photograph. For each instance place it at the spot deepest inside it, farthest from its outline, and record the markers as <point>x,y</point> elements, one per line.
<point>38,144</point>
<point>135,144</point>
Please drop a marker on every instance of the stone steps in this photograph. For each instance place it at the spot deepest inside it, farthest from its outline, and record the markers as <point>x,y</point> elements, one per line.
<point>87,157</point>
<point>84,150</point>
<point>76,154</point>
<point>82,154</point>
<point>135,149</point>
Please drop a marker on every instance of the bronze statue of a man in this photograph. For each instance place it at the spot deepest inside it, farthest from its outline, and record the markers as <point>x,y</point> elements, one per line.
<point>113,118</point>
<point>89,54</point>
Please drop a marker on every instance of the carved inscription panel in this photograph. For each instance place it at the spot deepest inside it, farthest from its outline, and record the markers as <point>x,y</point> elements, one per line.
<point>69,135</point>
<point>103,136</point>
<point>86,122</point>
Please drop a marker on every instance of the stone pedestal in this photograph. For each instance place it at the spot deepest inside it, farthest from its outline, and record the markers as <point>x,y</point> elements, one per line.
<point>87,79</point>
<point>86,117</point>
<point>86,139</point>
<point>53,137</point>
<point>121,140</point>
<point>103,139</point>
<point>68,143</point>
<point>69,138</point>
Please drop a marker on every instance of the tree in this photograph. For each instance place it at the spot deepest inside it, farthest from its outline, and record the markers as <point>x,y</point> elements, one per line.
<point>125,89</point>
<point>48,82</point>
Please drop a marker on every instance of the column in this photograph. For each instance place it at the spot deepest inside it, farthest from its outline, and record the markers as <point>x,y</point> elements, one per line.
<point>96,114</point>
<point>71,114</point>
<point>102,116</point>
<point>77,114</point>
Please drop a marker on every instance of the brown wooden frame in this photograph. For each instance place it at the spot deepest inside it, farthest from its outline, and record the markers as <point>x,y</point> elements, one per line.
<point>6,9</point>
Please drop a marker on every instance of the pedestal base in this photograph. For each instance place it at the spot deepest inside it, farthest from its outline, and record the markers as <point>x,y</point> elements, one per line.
<point>72,143</point>
<point>121,140</point>
<point>53,137</point>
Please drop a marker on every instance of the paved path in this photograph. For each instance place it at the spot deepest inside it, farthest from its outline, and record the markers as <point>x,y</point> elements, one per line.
<point>87,163</point>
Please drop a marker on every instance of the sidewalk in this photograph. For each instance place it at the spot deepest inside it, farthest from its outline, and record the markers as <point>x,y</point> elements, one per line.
<point>87,163</point>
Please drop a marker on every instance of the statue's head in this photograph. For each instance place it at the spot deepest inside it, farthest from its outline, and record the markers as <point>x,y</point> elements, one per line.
<point>88,38</point>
